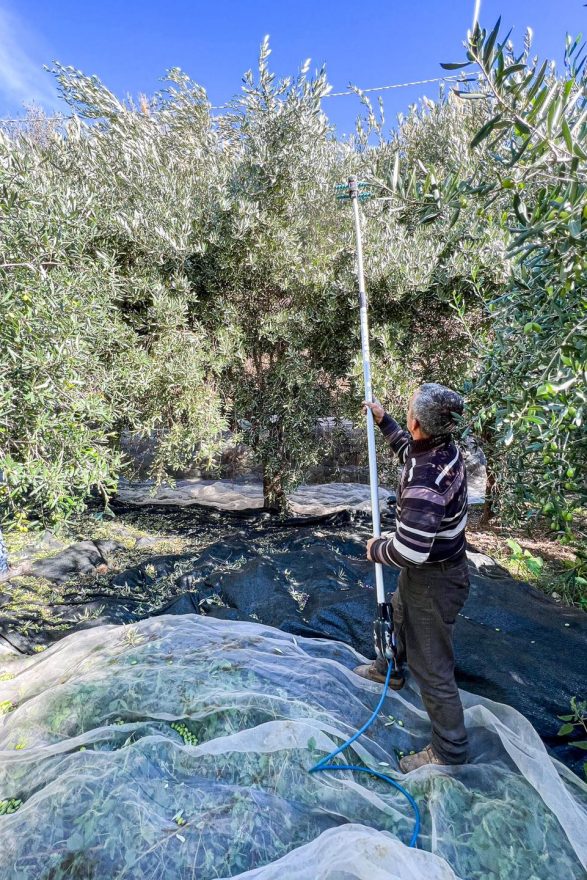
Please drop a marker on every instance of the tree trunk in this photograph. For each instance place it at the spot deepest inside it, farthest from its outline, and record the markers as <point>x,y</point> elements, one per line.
<point>490,492</point>
<point>491,486</point>
<point>274,498</point>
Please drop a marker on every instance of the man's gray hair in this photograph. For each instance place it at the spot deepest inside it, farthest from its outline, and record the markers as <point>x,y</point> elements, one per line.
<point>434,407</point>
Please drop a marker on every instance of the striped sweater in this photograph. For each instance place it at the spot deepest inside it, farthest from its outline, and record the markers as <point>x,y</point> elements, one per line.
<point>431,501</point>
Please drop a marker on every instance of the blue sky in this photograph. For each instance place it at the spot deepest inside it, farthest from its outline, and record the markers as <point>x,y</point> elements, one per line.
<point>130,44</point>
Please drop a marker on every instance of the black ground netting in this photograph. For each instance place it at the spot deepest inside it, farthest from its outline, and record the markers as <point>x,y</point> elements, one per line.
<point>309,577</point>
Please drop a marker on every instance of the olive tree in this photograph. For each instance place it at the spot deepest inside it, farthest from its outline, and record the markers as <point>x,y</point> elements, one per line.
<point>99,330</point>
<point>194,271</point>
<point>270,270</point>
<point>430,269</point>
<point>530,392</point>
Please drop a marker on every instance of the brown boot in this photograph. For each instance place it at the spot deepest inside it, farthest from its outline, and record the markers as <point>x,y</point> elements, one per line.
<point>426,756</point>
<point>370,671</point>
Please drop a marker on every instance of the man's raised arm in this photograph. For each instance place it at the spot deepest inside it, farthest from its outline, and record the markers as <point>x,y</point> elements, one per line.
<point>395,435</point>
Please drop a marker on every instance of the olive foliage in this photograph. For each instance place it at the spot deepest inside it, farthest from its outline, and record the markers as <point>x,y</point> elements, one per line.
<point>174,272</point>
<point>98,331</point>
<point>529,393</point>
<point>268,268</point>
<point>168,271</point>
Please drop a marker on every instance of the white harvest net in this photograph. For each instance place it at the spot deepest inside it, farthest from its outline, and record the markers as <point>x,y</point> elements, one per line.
<point>180,748</point>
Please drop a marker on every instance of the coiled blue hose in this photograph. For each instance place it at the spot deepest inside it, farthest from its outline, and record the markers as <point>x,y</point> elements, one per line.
<point>325,765</point>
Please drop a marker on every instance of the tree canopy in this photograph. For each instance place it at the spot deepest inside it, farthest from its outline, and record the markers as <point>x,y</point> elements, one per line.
<point>172,271</point>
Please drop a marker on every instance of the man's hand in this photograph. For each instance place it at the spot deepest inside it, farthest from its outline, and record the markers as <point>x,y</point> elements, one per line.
<point>376,409</point>
<point>369,544</point>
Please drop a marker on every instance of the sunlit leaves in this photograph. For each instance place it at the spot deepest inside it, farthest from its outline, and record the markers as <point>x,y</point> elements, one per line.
<point>536,367</point>
<point>95,304</point>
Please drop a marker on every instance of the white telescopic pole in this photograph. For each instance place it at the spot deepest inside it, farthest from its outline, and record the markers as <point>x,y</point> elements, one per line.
<point>373,481</point>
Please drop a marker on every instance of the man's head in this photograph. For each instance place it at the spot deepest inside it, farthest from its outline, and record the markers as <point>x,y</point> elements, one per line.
<point>431,409</point>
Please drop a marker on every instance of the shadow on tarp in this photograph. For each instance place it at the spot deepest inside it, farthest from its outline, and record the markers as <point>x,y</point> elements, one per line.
<point>309,576</point>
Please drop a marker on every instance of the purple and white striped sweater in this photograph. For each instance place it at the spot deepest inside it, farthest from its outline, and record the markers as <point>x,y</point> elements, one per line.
<point>431,512</point>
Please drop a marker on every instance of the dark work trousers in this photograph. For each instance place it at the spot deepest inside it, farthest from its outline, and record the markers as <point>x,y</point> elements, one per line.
<point>425,608</point>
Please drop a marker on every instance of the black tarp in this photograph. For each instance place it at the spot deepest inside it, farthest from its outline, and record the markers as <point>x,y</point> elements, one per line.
<point>309,576</point>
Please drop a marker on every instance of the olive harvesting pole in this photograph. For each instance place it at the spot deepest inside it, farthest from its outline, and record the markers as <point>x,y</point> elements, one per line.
<point>383,626</point>
<point>373,479</point>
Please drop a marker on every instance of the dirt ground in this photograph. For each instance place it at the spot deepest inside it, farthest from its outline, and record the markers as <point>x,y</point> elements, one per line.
<point>557,575</point>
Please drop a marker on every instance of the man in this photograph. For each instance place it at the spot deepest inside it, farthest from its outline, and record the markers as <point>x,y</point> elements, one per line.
<point>429,547</point>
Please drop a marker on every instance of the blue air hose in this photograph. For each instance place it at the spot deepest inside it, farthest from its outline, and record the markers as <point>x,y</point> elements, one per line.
<point>325,765</point>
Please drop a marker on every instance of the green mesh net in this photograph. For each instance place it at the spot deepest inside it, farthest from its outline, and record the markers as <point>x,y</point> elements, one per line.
<point>181,747</point>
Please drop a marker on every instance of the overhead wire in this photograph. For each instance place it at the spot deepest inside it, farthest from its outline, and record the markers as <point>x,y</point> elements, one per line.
<point>354,91</point>
<point>416,82</point>
<point>404,85</point>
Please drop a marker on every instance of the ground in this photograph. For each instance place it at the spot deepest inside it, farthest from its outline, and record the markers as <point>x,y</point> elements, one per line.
<point>554,571</point>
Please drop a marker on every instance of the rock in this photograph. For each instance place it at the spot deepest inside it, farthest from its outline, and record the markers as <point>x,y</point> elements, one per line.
<point>15,571</point>
<point>485,564</point>
<point>85,557</point>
